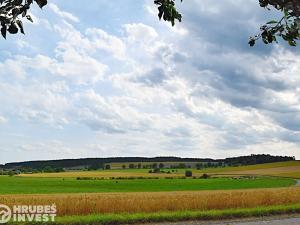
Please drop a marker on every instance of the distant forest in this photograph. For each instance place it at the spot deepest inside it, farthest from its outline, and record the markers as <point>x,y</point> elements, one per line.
<point>100,162</point>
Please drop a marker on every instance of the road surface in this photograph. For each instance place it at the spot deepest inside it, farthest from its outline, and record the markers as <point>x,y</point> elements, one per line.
<point>292,220</point>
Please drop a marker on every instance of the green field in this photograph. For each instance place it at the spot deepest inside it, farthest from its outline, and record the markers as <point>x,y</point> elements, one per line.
<point>20,185</point>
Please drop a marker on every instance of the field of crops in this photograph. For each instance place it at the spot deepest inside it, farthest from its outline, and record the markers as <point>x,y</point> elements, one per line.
<point>108,174</point>
<point>136,195</point>
<point>21,185</point>
<point>136,191</point>
<point>284,169</point>
<point>99,203</point>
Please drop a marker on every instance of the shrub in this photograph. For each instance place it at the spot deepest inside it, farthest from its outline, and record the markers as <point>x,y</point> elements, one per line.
<point>156,170</point>
<point>11,173</point>
<point>205,176</point>
<point>154,165</point>
<point>131,166</point>
<point>188,173</point>
<point>48,169</point>
<point>85,178</point>
<point>182,166</point>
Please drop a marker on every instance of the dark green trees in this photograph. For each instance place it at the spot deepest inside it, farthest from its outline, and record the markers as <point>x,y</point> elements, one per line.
<point>287,28</point>
<point>11,12</point>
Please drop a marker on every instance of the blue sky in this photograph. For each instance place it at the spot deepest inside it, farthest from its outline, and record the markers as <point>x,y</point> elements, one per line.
<point>106,78</point>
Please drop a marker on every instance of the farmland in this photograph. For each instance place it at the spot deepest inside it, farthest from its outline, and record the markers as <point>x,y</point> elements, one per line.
<point>150,202</point>
<point>106,174</point>
<point>128,195</point>
<point>282,169</point>
<point>18,185</point>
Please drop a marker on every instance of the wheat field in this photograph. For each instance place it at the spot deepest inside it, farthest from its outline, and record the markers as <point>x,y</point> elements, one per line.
<point>85,204</point>
<point>290,171</point>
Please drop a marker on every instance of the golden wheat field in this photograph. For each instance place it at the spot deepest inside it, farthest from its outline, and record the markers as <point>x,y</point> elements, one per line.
<point>84,204</point>
<point>290,171</point>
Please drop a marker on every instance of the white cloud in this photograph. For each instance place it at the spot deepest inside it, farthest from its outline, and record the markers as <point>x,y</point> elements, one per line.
<point>154,90</point>
<point>100,39</point>
<point>63,14</point>
<point>2,120</point>
<point>138,32</point>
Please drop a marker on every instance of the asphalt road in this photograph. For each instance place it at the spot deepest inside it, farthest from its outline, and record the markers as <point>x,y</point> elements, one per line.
<point>291,220</point>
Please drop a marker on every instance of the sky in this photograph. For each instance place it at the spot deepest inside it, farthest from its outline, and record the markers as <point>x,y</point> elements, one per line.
<point>107,78</point>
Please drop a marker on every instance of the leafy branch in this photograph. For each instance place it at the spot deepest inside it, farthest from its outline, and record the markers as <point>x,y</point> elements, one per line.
<point>287,27</point>
<point>12,10</point>
<point>168,11</point>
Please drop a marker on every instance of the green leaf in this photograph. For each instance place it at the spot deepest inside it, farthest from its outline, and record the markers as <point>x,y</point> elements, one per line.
<point>29,18</point>
<point>41,3</point>
<point>272,22</point>
<point>20,25</point>
<point>13,29</point>
<point>3,31</point>
<point>251,42</point>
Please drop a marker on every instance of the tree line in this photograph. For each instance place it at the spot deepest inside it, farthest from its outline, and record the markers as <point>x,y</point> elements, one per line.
<point>157,162</point>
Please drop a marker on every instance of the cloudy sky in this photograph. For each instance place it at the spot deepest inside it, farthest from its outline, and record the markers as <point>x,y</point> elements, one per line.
<point>106,78</point>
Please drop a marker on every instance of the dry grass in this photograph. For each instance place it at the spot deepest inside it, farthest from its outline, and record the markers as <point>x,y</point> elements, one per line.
<point>278,165</point>
<point>290,171</point>
<point>84,204</point>
<point>290,174</point>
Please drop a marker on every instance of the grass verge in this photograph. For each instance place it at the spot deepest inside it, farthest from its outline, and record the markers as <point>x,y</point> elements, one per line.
<point>138,218</point>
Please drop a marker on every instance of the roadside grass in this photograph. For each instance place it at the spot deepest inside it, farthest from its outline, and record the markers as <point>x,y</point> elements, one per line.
<point>154,202</point>
<point>139,218</point>
<point>19,185</point>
